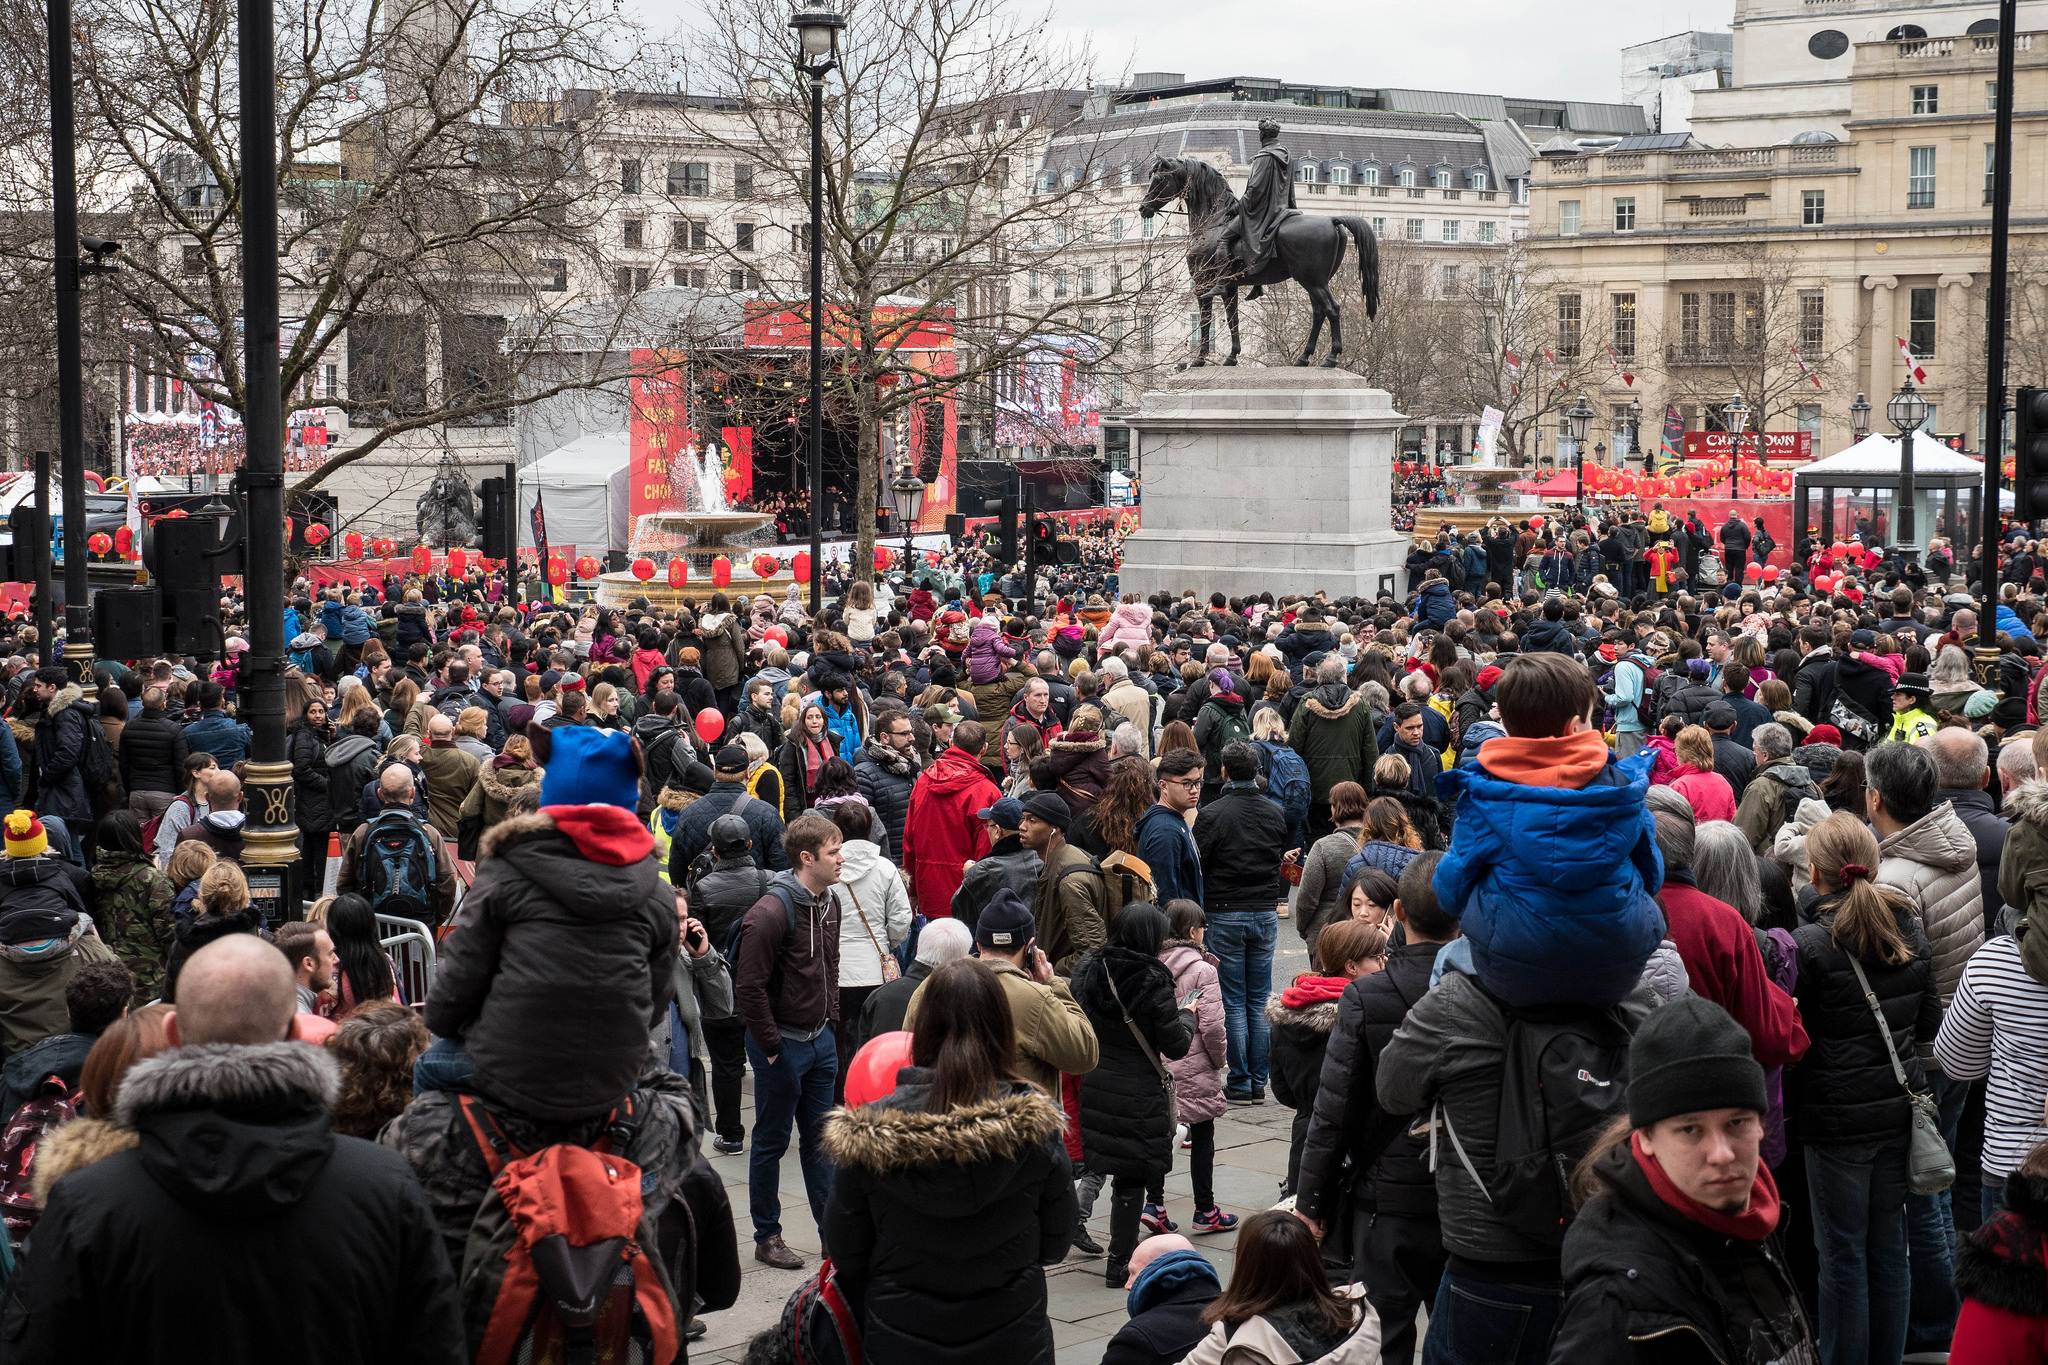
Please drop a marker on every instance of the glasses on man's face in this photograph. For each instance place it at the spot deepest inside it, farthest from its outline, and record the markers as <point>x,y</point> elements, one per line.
<point>1191,784</point>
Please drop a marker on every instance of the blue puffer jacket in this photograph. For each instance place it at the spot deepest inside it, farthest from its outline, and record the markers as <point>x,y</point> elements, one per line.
<point>1434,605</point>
<point>350,625</point>
<point>1554,885</point>
<point>2010,623</point>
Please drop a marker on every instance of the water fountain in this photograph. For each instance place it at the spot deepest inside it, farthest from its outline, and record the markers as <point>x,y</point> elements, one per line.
<point>696,535</point>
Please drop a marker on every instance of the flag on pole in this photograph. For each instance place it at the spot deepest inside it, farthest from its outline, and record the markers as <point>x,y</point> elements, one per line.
<point>1913,367</point>
<point>1514,363</point>
<point>1614,358</point>
<point>1672,447</point>
<point>1805,370</point>
<point>539,520</point>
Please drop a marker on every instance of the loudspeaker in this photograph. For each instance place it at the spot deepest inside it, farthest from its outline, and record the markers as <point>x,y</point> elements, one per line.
<point>191,619</point>
<point>956,525</point>
<point>126,623</point>
<point>176,555</point>
<point>1006,530</point>
<point>885,519</point>
<point>495,523</point>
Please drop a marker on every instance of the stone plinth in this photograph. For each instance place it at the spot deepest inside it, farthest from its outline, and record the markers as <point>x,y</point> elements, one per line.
<point>1265,480</point>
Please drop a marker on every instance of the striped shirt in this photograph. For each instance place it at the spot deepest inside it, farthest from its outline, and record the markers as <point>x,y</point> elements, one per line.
<point>1997,1026</point>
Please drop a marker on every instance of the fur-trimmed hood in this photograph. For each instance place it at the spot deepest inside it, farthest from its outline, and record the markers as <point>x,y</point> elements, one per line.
<point>2004,1264</point>
<point>898,1133</point>
<point>241,1128</point>
<point>1080,742</point>
<point>2029,802</point>
<point>1323,704</point>
<point>1320,1017</point>
<point>72,1147</point>
<point>502,784</point>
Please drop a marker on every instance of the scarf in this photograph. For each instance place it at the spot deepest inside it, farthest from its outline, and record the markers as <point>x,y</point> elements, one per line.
<point>1309,989</point>
<point>886,758</point>
<point>817,753</point>
<point>1753,1224</point>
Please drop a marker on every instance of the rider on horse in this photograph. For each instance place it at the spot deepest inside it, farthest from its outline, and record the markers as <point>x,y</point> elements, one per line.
<point>1268,201</point>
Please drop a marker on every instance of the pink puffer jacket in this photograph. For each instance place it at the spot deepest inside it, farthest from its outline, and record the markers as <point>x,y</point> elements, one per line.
<point>1198,1077</point>
<point>1130,623</point>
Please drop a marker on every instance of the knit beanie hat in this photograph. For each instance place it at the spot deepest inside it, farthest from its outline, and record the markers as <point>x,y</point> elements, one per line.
<point>26,837</point>
<point>1691,1056</point>
<point>588,766</point>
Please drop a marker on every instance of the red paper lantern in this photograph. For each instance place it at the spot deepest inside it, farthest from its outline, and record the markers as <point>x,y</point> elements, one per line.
<point>422,559</point>
<point>317,534</point>
<point>709,725</point>
<point>881,559</point>
<point>678,572</point>
<point>352,544</point>
<point>764,565</point>
<point>800,566</point>
<point>383,547</point>
<point>99,542</point>
<point>643,568</point>
<point>721,572</point>
<point>458,561</point>
<point>586,566</point>
<point>558,572</point>
<point>124,540</point>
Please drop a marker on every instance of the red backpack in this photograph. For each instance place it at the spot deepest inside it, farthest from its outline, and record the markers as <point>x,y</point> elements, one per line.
<point>561,1266</point>
<point>818,1324</point>
<point>52,1103</point>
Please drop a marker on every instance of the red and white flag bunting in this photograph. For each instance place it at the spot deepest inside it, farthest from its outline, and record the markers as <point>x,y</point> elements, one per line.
<point>1913,367</point>
<point>1806,371</point>
<point>1627,377</point>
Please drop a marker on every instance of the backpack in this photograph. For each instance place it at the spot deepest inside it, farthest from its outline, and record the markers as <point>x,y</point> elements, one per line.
<point>562,1265</point>
<point>739,926</point>
<point>52,1103</point>
<point>155,824</point>
<point>399,865</point>
<point>102,774</point>
<point>1564,1078</point>
<point>1231,726</point>
<point>1124,879</point>
<point>1286,782</point>
<point>818,1324</point>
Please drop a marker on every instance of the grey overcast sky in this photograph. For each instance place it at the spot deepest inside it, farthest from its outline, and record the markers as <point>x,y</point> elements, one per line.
<point>1551,49</point>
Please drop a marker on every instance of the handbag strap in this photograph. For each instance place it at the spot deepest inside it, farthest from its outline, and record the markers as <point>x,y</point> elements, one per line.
<point>1884,1029</point>
<point>1151,1053</point>
<point>865,924</point>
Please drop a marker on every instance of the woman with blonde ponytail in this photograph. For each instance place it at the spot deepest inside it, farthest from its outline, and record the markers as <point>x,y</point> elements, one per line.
<point>1848,1105</point>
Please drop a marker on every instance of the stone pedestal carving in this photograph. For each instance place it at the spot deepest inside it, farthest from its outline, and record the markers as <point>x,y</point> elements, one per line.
<point>1265,480</point>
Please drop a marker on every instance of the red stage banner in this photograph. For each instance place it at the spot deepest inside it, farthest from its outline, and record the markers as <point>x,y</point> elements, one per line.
<point>1776,445</point>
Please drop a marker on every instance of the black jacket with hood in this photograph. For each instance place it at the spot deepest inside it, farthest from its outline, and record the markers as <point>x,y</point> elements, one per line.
<point>561,900</point>
<point>1125,1127</point>
<point>237,1180</point>
<point>941,1223</point>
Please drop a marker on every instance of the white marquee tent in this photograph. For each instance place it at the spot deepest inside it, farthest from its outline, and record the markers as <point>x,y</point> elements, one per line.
<point>582,486</point>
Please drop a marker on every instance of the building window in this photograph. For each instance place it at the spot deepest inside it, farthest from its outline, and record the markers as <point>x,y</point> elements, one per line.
<point>1990,168</point>
<point>690,276</point>
<point>742,236</point>
<point>1568,326</point>
<point>1689,322</point>
<point>1920,331</point>
<point>1414,233</point>
<point>633,232</point>
<point>1370,173</point>
<point>1721,322</point>
<point>1442,177</point>
<point>1807,416</point>
<point>555,274</point>
<point>1623,327</point>
<point>1813,322</point>
<point>690,179</point>
<point>690,234</point>
<point>1087,280</point>
<point>192,259</point>
<point>1032,286</point>
<point>1926,99</point>
<point>1059,284</point>
<point>1480,181</point>
<point>1306,172</point>
<point>1449,288</point>
<point>622,279</point>
<point>1340,175</point>
<point>629,177</point>
<point>1486,231</point>
<point>1625,214</point>
<point>1450,230</point>
<point>1568,218</point>
<point>1991,97</point>
<point>1813,207</point>
<point>1379,227</point>
<point>1407,176</point>
<point>1920,178</point>
<point>743,180</point>
<point>1488,279</point>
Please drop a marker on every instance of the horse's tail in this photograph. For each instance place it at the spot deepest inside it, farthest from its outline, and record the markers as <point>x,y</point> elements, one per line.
<point>1368,261</point>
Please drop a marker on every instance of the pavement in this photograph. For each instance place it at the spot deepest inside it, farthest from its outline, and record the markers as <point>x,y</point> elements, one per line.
<point>1251,1159</point>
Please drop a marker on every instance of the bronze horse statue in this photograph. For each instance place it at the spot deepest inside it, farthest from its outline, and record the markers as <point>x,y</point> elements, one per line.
<point>1307,250</point>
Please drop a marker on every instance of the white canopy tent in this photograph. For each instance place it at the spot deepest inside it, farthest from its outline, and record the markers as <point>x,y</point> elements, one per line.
<point>582,485</point>
<point>1855,491</point>
<point>1878,454</point>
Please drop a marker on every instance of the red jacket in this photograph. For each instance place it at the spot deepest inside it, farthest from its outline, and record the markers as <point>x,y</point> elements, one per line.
<point>1725,966</point>
<point>942,832</point>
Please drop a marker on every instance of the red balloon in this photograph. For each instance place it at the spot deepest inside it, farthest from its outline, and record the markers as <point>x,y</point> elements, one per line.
<point>709,725</point>
<point>586,566</point>
<point>1753,572</point>
<point>1535,523</point>
<point>643,568</point>
<point>317,534</point>
<point>422,559</point>
<point>872,1072</point>
<point>721,572</point>
<point>352,544</point>
<point>678,572</point>
<point>800,566</point>
<point>99,542</point>
<point>1770,573</point>
<point>778,635</point>
<point>882,558</point>
<point>1824,582</point>
<point>458,561</point>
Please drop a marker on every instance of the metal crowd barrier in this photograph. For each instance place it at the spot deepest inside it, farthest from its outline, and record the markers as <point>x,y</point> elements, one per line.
<point>410,945</point>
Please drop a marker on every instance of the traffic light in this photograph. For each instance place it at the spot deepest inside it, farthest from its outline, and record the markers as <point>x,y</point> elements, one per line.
<point>1006,530</point>
<point>2030,455</point>
<point>27,531</point>
<point>497,519</point>
<point>1044,535</point>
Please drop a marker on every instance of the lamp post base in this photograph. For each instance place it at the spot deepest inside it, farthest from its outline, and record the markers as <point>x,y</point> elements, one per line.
<point>270,840</point>
<point>78,659</point>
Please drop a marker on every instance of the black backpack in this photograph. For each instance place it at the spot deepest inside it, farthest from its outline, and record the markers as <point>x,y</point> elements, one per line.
<point>399,865</point>
<point>1564,1079</point>
<point>96,764</point>
<point>739,926</point>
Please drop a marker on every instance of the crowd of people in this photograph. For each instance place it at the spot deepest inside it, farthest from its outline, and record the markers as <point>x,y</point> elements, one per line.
<point>1670,987</point>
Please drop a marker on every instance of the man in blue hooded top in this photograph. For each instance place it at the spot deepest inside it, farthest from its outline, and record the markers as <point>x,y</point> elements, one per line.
<point>1554,862</point>
<point>1170,1284</point>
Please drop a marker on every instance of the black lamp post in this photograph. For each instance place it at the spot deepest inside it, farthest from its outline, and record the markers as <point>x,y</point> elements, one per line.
<point>1736,418</point>
<point>1859,417</point>
<point>1579,422</point>
<point>906,498</point>
<point>1907,411</point>
<point>817,31</point>
<point>1635,430</point>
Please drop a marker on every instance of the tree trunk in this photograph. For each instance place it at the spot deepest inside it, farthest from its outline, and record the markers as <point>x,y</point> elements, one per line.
<point>867,484</point>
